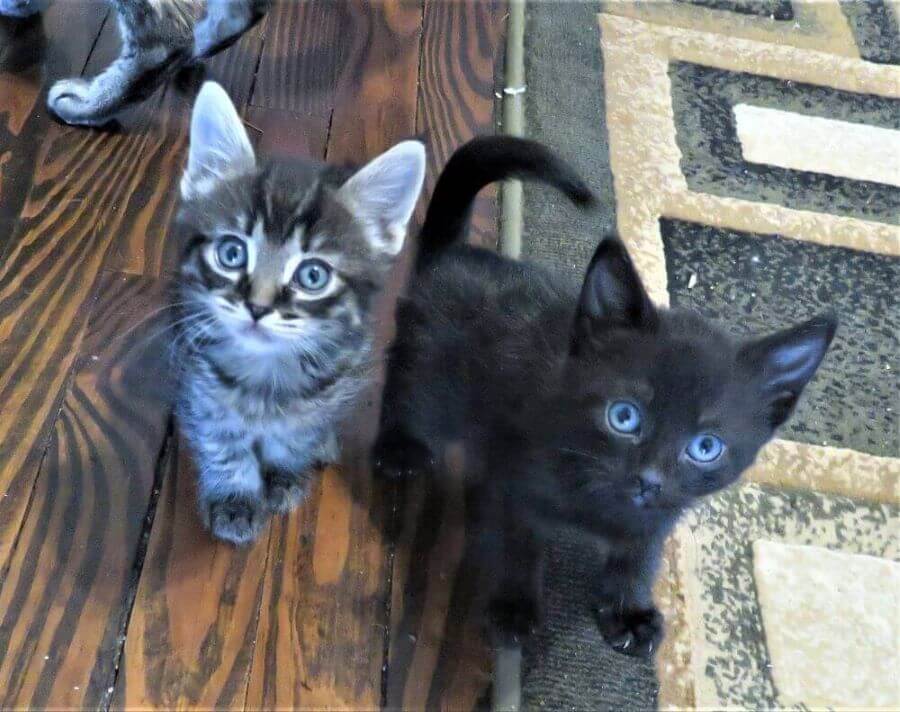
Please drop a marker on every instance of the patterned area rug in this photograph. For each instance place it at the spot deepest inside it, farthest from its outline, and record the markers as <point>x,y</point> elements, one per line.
<point>749,154</point>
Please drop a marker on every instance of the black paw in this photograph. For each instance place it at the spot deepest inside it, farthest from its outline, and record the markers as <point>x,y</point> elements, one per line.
<point>236,519</point>
<point>285,490</point>
<point>511,619</point>
<point>635,631</point>
<point>397,457</point>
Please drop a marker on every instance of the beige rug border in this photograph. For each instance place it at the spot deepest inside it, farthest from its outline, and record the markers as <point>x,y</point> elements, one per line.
<point>645,158</point>
<point>645,162</point>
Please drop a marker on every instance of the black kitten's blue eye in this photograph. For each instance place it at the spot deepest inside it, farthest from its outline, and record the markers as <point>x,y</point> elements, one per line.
<point>232,253</point>
<point>624,417</point>
<point>705,448</point>
<point>312,275</point>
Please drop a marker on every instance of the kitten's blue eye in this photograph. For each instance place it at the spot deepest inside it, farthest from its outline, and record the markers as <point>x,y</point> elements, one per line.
<point>232,253</point>
<point>313,275</point>
<point>623,417</point>
<point>705,448</point>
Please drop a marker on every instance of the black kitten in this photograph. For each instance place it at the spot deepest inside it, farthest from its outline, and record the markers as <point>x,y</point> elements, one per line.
<point>594,410</point>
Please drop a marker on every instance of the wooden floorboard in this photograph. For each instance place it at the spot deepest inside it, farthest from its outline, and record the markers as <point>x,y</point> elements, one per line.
<point>46,279</point>
<point>64,602</point>
<point>302,618</point>
<point>304,56</point>
<point>460,50</point>
<point>191,632</point>
<point>33,55</point>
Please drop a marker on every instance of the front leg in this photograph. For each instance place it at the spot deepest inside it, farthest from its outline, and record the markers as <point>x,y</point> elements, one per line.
<point>291,464</point>
<point>515,609</point>
<point>229,482</point>
<point>626,614</point>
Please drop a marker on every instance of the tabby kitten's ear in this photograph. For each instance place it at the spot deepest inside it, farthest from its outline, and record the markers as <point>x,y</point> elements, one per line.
<point>383,193</point>
<point>219,143</point>
<point>784,362</point>
<point>612,293</point>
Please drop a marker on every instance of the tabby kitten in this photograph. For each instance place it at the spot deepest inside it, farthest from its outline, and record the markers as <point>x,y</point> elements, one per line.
<point>275,300</point>
<point>158,38</point>
<point>577,407</point>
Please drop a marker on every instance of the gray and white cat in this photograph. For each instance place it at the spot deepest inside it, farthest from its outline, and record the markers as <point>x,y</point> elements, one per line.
<point>275,294</point>
<point>158,38</point>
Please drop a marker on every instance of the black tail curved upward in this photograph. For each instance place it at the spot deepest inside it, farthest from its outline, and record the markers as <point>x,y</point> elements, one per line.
<point>476,164</point>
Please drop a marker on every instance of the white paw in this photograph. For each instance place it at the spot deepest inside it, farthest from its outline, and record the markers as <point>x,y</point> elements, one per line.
<point>70,100</point>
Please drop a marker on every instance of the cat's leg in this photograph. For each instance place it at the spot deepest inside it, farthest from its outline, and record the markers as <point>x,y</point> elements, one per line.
<point>397,453</point>
<point>23,8</point>
<point>626,613</point>
<point>224,23</point>
<point>515,607</point>
<point>291,466</point>
<point>230,493</point>
<point>156,40</point>
<point>230,487</point>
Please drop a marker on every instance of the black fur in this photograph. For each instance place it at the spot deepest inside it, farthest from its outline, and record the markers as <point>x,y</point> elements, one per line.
<point>520,368</point>
<point>482,161</point>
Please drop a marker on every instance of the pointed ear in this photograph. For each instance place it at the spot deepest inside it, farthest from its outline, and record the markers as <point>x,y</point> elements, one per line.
<point>612,293</point>
<point>784,362</point>
<point>383,193</point>
<point>219,143</point>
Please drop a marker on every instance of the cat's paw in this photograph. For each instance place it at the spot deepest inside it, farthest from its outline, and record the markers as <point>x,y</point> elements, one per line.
<point>395,458</point>
<point>71,101</point>
<point>512,618</point>
<point>285,490</point>
<point>237,519</point>
<point>636,631</point>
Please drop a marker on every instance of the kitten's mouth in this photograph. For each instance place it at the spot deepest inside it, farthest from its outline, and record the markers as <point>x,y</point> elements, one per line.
<point>643,500</point>
<point>257,331</point>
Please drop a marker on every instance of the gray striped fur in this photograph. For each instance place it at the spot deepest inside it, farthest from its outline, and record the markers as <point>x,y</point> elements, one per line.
<point>262,398</point>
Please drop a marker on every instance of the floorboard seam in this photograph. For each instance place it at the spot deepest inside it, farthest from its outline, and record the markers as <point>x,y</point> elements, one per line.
<point>259,603</point>
<point>163,459</point>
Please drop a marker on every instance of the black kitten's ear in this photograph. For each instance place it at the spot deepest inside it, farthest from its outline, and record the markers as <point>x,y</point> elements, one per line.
<point>612,292</point>
<point>784,362</point>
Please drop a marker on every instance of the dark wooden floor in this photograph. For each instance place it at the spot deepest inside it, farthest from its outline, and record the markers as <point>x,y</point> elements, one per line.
<point>110,593</point>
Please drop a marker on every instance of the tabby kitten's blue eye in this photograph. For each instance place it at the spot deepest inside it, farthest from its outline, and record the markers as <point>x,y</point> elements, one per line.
<point>623,417</point>
<point>232,253</point>
<point>705,448</point>
<point>313,276</point>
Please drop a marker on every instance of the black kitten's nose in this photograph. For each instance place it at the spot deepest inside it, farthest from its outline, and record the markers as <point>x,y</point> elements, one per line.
<point>651,482</point>
<point>257,311</point>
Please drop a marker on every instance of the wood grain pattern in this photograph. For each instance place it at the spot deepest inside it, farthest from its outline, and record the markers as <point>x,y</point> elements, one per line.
<point>72,213</point>
<point>64,602</point>
<point>285,134</point>
<point>32,55</point>
<point>461,42</point>
<point>190,637</point>
<point>304,56</point>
